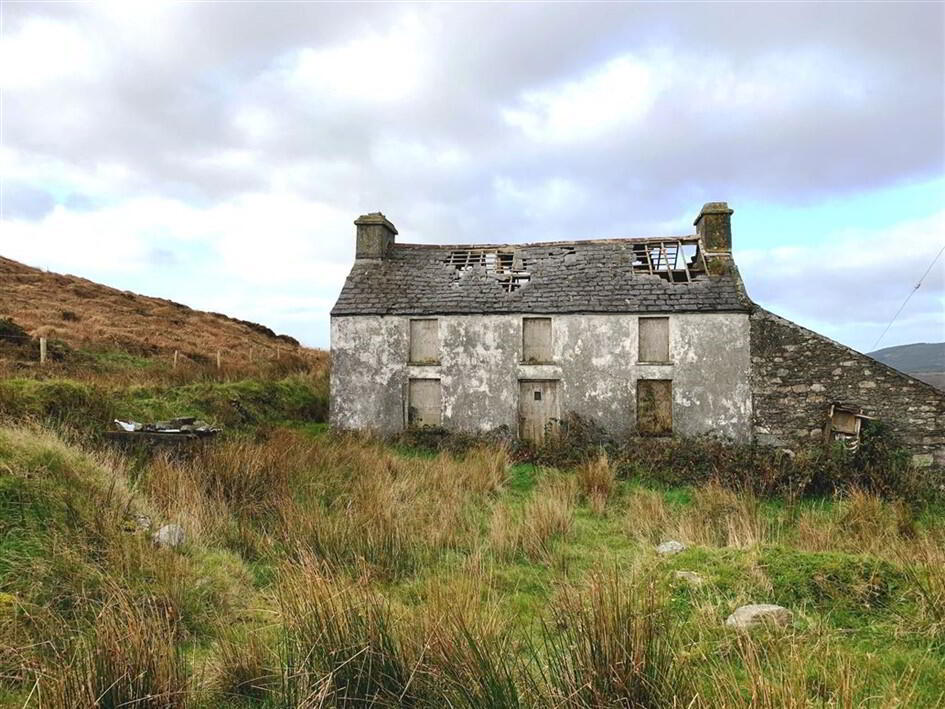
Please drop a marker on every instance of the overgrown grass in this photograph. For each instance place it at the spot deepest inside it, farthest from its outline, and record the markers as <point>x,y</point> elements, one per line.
<point>324,570</point>
<point>90,407</point>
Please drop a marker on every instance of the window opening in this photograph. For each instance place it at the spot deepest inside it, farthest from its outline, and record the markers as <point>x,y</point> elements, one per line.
<point>424,341</point>
<point>538,395</point>
<point>423,403</point>
<point>655,407</point>
<point>843,426</point>
<point>536,340</point>
<point>654,339</point>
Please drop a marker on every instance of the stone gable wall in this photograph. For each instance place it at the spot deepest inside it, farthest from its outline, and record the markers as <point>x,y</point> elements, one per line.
<point>796,374</point>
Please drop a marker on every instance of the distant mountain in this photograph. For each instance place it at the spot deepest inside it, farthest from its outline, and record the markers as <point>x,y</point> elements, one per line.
<point>917,357</point>
<point>923,360</point>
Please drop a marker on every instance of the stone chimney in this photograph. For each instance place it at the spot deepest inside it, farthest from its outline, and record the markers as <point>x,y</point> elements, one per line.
<point>375,236</point>
<point>714,227</point>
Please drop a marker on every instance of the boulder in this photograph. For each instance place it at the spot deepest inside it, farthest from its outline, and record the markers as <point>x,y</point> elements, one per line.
<point>754,614</point>
<point>669,548</point>
<point>170,535</point>
<point>690,577</point>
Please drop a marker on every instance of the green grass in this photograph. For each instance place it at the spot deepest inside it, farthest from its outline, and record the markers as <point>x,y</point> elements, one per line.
<point>386,561</point>
<point>91,407</point>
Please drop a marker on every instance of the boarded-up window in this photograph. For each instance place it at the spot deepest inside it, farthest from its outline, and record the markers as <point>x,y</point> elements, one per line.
<point>654,407</point>
<point>423,403</point>
<point>654,339</point>
<point>424,342</point>
<point>536,340</point>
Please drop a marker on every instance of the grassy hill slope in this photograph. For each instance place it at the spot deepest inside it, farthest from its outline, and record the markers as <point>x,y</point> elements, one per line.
<point>83,313</point>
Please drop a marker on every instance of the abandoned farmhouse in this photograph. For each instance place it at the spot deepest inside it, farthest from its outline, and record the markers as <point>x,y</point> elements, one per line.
<point>652,336</point>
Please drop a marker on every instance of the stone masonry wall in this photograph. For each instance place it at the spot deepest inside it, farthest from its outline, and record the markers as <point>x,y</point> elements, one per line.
<point>796,374</point>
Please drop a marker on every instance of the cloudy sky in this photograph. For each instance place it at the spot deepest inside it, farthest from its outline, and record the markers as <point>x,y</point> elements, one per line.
<point>216,153</point>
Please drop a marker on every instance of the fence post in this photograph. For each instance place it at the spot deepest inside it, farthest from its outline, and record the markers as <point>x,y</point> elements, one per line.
<point>175,359</point>
<point>218,359</point>
<point>42,350</point>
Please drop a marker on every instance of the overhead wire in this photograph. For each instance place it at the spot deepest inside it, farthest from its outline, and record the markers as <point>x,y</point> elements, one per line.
<point>911,293</point>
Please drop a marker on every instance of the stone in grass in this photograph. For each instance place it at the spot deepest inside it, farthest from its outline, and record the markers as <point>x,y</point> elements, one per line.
<point>170,535</point>
<point>690,577</point>
<point>754,614</point>
<point>669,548</point>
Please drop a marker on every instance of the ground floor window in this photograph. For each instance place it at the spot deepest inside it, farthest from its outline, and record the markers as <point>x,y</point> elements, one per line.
<point>424,398</point>
<point>654,407</point>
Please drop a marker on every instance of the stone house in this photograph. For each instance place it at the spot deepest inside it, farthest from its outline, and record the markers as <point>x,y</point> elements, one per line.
<point>652,336</point>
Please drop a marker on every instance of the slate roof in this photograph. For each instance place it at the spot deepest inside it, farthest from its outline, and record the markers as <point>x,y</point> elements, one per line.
<point>563,277</point>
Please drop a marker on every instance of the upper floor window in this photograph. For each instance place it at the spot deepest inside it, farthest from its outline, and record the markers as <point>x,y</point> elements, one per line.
<point>424,341</point>
<point>654,340</point>
<point>536,340</point>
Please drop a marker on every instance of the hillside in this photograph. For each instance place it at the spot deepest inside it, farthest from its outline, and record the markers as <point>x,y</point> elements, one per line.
<point>923,360</point>
<point>86,314</point>
<point>917,357</point>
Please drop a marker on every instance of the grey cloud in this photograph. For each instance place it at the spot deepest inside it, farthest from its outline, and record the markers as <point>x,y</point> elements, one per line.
<point>22,201</point>
<point>165,109</point>
<point>165,114</point>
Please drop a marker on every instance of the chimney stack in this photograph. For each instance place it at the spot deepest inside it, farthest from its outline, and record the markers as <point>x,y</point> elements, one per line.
<point>375,236</point>
<point>714,227</point>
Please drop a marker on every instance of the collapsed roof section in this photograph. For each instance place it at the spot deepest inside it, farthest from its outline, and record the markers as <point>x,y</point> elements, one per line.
<point>612,275</point>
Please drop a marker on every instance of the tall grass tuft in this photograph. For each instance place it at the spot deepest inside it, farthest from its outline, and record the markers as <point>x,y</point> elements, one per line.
<point>613,647</point>
<point>339,645</point>
<point>241,666</point>
<point>546,517</point>
<point>924,569</point>
<point>721,517</point>
<point>597,480</point>
<point>131,658</point>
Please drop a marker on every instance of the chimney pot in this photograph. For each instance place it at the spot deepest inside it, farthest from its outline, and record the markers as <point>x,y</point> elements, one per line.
<point>375,234</point>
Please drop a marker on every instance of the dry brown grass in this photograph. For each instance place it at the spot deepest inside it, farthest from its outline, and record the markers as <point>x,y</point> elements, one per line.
<point>547,516</point>
<point>720,517</point>
<point>597,479</point>
<point>132,657</point>
<point>90,315</point>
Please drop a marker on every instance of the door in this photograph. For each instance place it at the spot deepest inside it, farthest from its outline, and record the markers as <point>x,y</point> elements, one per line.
<point>537,409</point>
<point>655,407</point>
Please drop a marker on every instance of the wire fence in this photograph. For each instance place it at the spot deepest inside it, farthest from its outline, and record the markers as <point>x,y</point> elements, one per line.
<point>44,349</point>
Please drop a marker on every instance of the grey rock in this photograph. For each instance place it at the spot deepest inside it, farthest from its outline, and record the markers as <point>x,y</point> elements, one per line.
<point>170,535</point>
<point>669,548</point>
<point>754,614</point>
<point>690,577</point>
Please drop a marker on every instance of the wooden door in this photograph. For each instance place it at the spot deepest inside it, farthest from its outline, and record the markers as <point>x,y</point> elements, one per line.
<point>655,407</point>
<point>537,409</point>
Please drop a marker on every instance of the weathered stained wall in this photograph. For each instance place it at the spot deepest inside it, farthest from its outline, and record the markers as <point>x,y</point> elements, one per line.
<point>595,360</point>
<point>797,374</point>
